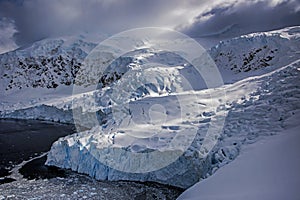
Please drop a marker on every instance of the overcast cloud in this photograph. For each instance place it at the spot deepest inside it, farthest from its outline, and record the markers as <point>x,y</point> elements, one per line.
<point>241,17</point>
<point>7,31</point>
<point>32,20</point>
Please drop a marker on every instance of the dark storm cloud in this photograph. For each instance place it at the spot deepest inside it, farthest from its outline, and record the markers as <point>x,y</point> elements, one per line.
<point>37,19</point>
<point>245,17</point>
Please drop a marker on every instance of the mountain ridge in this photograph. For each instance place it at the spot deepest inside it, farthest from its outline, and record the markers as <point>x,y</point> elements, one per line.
<point>58,60</point>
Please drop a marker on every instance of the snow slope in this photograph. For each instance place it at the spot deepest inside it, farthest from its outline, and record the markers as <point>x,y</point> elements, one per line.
<point>257,53</point>
<point>266,170</point>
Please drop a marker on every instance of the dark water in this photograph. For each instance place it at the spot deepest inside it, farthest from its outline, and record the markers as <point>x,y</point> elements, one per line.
<point>23,139</point>
<point>37,169</point>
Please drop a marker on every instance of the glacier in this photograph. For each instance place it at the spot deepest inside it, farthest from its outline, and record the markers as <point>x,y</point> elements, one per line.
<point>261,76</point>
<point>260,112</point>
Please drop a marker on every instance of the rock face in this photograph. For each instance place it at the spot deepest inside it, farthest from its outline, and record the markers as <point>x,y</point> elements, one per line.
<point>46,64</point>
<point>256,53</point>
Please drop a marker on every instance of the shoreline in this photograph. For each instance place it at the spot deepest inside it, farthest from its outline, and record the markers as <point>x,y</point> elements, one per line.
<point>33,171</point>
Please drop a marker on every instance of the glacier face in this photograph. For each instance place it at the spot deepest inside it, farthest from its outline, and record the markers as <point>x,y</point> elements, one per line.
<point>66,153</point>
<point>255,106</point>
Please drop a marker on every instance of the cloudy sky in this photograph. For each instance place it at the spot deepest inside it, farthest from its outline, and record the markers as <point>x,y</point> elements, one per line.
<point>25,21</point>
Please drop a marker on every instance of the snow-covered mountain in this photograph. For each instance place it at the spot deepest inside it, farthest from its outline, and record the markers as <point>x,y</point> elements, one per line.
<point>33,75</point>
<point>54,62</point>
<point>260,70</point>
<point>257,53</point>
<point>45,64</point>
<point>43,70</point>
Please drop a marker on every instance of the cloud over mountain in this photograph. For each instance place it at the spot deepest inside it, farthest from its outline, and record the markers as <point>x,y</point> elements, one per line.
<point>38,19</point>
